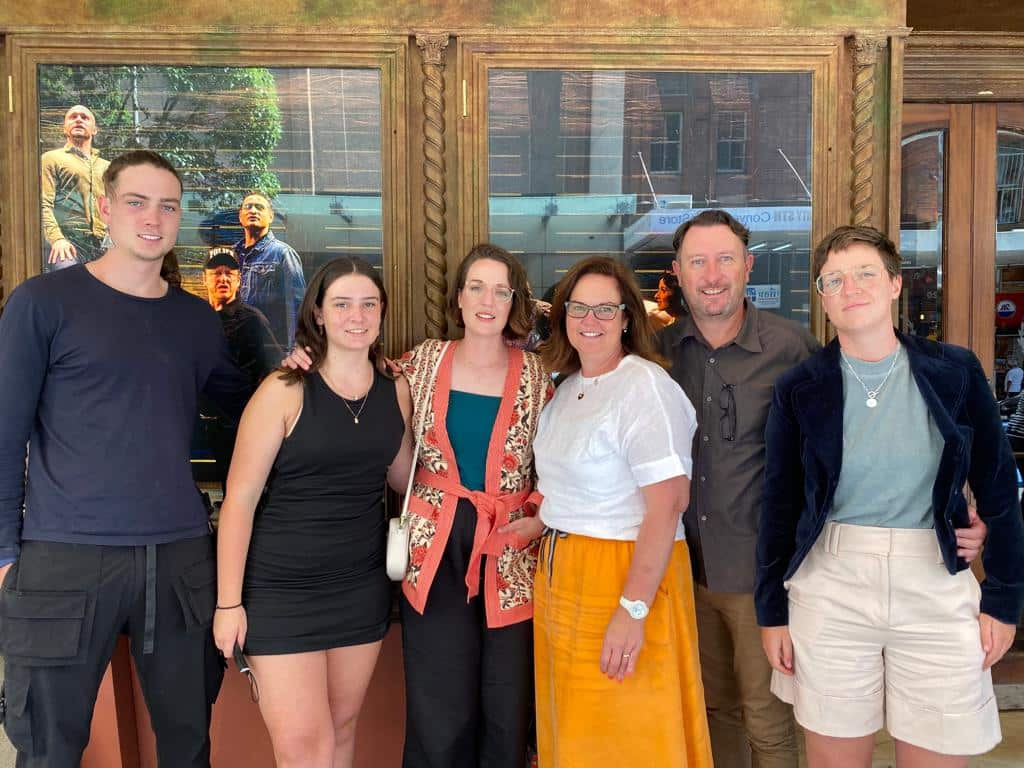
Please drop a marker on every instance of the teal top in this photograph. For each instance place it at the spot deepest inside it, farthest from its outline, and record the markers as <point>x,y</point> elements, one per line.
<point>890,452</point>
<point>470,422</point>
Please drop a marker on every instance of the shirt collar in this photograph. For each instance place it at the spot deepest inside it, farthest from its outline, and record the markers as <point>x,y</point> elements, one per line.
<point>72,149</point>
<point>259,245</point>
<point>748,338</point>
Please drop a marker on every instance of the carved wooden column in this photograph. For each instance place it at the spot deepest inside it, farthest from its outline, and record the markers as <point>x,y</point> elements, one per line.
<point>435,232</point>
<point>867,52</point>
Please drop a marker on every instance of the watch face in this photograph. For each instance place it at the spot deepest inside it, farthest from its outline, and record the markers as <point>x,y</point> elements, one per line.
<point>638,610</point>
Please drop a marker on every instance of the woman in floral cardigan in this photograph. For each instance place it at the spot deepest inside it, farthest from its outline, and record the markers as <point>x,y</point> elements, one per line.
<point>468,593</point>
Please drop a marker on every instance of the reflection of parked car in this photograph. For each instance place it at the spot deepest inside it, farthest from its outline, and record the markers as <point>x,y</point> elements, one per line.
<point>223,228</point>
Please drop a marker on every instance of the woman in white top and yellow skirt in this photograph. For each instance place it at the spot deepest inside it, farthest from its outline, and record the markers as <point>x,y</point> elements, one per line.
<point>615,637</point>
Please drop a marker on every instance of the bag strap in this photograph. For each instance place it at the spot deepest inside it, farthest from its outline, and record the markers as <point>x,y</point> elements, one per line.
<point>428,392</point>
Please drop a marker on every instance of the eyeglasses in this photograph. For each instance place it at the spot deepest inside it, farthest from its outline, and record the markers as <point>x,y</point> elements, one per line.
<point>727,402</point>
<point>831,283</point>
<point>579,310</point>
<point>502,293</point>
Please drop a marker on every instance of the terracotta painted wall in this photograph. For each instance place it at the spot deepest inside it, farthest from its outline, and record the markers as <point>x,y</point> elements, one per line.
<point>237,733</point>
<point>326,15</point>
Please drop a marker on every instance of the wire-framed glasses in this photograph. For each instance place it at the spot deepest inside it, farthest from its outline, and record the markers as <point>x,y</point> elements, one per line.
<point>831,283</point>
<point>579,310</point>
<point>502,293</point>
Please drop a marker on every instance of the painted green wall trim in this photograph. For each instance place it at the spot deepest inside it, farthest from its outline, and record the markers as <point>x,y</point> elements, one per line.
<point>397,15</point>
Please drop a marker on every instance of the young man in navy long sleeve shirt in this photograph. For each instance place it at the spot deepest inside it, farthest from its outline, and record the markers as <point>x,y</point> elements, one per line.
<point>101,366</point>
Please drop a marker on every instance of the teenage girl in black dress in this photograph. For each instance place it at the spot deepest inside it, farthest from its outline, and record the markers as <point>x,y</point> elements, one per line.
<point>313,605</point>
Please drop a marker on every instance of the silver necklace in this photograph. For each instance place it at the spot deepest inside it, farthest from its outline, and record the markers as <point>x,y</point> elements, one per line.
<point>872,400</point>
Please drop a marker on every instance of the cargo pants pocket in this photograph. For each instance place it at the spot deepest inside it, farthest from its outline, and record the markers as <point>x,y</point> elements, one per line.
<point>38,629</point>
<point>196,589</point>
<point>45,628</point>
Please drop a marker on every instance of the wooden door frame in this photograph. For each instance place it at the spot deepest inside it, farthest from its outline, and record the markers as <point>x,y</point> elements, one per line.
<point>971,73</point>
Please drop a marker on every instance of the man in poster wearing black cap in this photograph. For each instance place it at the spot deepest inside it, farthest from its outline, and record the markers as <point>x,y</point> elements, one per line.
<point>251,344</point>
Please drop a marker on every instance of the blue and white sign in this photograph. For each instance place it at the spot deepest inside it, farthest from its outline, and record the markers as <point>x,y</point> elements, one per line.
<point>768,296</point>
<point>1006,308</point>
<point>789,218</point>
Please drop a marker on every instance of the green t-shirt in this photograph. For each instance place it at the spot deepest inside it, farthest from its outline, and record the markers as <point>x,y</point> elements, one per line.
<point>890,452</point>
<point>470,421</point>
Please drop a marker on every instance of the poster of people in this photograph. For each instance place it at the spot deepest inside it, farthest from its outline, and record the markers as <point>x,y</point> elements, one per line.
<point>281,170</point>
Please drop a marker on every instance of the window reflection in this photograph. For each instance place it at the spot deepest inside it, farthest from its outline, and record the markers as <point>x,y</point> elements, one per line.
<point>921,232</point>
<point>308,138</point>
<point>612,162</point>
<point>1009,309</point>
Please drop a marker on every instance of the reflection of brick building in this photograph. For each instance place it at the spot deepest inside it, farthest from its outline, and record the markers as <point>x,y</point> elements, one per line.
<point>577,159</point>
<point>713,136</point>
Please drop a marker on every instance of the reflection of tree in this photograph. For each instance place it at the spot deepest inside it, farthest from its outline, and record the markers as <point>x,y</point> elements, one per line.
<point>219,126</point>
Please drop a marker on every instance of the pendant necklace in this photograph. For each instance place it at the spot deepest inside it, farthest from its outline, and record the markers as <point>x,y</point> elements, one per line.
<point>362,403</point>
<point>582,390</point>
<point>872,399</point>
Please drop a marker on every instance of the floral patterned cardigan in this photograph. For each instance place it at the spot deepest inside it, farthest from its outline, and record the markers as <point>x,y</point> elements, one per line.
<point>508,493</point>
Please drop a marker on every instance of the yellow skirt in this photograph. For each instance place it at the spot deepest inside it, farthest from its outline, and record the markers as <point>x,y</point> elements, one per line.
<point>654,718</point>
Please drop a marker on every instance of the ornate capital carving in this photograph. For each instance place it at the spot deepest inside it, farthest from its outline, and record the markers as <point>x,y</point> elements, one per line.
<point>867,50</point>
<point>433,47</point>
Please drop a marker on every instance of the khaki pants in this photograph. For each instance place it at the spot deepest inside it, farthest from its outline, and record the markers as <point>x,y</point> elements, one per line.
<point>749,725</point>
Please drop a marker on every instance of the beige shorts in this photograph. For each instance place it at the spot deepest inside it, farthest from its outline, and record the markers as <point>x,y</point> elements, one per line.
<point>883,634</point>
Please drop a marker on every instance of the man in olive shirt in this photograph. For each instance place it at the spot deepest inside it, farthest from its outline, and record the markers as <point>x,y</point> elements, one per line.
<point>726,355</point>
<point>71,184</point>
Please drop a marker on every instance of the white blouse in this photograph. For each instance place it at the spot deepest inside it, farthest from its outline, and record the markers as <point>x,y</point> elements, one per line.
<point>633,427</point>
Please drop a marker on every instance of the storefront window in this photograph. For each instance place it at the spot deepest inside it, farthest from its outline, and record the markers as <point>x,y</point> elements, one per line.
<point>613,162</point>
<point>308,139</point>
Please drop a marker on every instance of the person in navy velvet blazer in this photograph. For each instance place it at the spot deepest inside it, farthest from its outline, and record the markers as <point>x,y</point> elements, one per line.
<point>818,409</point>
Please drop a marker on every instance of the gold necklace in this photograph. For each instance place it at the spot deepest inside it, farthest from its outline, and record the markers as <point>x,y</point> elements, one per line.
<point>344,401</point>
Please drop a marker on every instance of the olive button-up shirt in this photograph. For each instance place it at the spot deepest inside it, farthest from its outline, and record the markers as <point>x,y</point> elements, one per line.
<point>731,387</point>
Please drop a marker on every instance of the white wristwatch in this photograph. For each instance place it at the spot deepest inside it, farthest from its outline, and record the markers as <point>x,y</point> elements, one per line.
<point>636,608</point>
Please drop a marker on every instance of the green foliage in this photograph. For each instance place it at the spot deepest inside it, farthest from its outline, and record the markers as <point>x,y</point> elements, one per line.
<point>218,125</point>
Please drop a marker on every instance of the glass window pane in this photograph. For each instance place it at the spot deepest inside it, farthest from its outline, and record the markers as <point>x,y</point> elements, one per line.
<point>1009,319</point>
<point>613,162</point>
<point>921,231</point>
<point>307,138</point>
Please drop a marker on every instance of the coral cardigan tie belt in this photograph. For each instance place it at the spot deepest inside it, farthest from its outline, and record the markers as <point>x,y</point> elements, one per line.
<point>492,512</point>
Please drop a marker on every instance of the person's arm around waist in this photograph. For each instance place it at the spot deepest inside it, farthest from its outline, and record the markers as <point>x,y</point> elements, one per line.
<point>624,637</point>
<point>264,425</point>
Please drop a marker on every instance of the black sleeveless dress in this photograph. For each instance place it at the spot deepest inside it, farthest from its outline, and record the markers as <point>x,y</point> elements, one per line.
<point>315,576</point>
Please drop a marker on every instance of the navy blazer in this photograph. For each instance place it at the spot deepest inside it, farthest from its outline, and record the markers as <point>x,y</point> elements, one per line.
<point>804,456</point>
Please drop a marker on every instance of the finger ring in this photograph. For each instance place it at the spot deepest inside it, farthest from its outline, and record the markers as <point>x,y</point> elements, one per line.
<point>625,655</point>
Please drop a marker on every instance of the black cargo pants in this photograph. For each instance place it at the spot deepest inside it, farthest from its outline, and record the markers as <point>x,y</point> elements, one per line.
<point>62,607</point>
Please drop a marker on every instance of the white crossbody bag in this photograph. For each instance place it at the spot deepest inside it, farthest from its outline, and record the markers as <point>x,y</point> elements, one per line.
<point>398,527</point>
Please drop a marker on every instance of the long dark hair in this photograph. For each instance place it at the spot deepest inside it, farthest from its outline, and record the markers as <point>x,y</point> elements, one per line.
<point>559,355</point>
<point>308,334</point>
